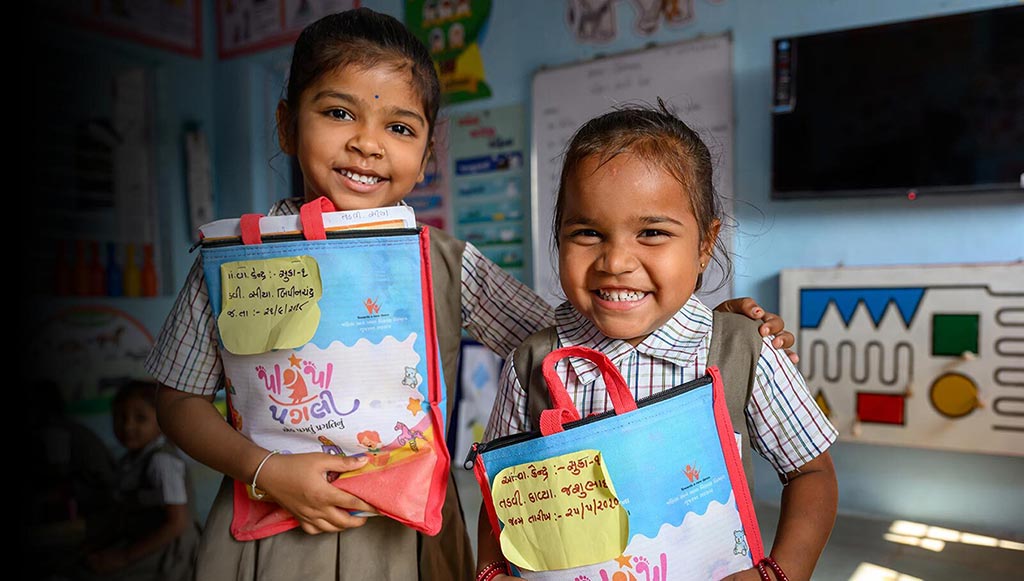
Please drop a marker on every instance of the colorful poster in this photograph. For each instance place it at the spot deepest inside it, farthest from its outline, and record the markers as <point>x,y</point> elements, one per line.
<point>431,198</point>
<point>490,182</point>
<point>922,356</point>
<point>245,26</point>
<point>173,26</point>
<point>453,31</point>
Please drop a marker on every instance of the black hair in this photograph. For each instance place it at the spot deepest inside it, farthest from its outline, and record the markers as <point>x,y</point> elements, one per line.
<point>656,135</point>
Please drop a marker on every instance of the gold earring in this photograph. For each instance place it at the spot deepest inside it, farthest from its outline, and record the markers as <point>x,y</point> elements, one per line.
<point>702,265</point>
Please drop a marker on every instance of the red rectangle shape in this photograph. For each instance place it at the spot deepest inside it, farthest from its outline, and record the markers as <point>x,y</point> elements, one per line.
<point>880,408</point>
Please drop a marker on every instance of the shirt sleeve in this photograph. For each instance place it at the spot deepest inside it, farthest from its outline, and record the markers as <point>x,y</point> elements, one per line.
<point>167,473</point>
<point>185,355</point>
<point>498,310</point>
<point>786,425</point>
<point>508,415</point>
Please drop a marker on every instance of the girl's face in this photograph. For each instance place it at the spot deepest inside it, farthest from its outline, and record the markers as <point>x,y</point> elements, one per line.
<point>135,423</point>
<point>361,137</point>
<point>629,246</point>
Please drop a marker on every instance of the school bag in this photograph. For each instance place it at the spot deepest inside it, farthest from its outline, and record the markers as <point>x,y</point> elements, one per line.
<point>657,489</point>
<point>329,344</point>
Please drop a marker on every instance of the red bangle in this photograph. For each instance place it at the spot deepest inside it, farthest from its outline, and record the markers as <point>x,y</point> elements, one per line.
<point>776,568</point>
<point>492,570</point>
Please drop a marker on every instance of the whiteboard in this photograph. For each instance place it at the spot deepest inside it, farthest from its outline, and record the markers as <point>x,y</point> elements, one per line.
<point>694,77</point>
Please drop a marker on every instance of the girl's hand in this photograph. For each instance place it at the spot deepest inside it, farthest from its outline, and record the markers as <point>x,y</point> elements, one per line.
<point>772,323</point>
<point>298,482</point>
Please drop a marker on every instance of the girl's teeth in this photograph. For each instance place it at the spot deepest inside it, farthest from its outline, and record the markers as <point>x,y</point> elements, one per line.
<point>616,296</point>
<point>360,178</point>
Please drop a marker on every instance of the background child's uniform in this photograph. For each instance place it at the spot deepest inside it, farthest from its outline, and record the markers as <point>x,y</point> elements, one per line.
<point>786,426</point>
<point>470,292</point>
<point>147,482</point>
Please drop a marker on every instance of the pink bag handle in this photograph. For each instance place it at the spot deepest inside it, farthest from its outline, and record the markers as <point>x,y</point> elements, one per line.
<point>563,410</point>
<point>311,214</point>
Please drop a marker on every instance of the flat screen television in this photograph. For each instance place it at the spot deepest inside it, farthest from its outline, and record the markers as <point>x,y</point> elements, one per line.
<point>925,106</point>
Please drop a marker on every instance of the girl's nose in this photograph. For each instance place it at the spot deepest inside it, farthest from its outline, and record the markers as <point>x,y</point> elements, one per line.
<point>617,259</point>
<point>365,143</point>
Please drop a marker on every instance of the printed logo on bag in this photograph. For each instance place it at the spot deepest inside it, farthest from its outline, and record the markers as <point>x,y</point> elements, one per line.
<point>692,473</point>
<point>372,306</point>
<point>300,392</point>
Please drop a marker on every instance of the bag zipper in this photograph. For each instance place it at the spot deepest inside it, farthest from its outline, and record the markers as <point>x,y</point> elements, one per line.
<point>343,234</point>
<point>504,441</point>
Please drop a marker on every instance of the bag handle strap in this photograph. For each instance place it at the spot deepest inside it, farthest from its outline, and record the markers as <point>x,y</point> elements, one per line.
<point>563,410</point>
<point>311,214</point>
<point>250,225</point>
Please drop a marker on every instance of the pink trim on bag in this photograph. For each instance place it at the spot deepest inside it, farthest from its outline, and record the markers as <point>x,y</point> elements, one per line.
<point>734,465</point>
<point>250,224</point>
<point>480,471</point>
<point>439,484</point>
<point>311,214</point>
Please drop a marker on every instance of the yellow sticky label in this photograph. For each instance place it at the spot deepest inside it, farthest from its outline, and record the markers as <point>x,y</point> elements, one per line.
<point>269,304</point>
<point>560,512</point>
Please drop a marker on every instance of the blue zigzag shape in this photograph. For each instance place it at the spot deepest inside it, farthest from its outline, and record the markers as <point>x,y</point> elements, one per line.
<point>813,303</point>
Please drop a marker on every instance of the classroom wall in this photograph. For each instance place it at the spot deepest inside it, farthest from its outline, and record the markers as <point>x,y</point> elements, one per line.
<point>234,101</point>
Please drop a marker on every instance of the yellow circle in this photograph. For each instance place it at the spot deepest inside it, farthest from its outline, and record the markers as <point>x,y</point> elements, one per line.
<point>954,395</point>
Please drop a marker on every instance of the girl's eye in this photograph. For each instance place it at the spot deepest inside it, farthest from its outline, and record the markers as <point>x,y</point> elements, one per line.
<point>340,114</point>
<point>652,233</point>
<point>584,233</point>
<point>401,129</point>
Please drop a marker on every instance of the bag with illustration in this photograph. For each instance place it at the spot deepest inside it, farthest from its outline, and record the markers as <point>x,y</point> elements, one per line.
<point>327,335</point>
<point>651,490</point>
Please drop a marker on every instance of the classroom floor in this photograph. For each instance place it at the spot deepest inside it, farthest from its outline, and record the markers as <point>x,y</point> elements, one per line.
<point>859,550</point>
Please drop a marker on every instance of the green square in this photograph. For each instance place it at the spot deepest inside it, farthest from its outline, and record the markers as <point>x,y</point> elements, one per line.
<point>954,334</point>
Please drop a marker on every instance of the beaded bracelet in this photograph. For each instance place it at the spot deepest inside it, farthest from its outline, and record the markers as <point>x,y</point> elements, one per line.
<point>776,568</point>
<point>772,564</point>
<point>256,492</point>
<point>492,570</point>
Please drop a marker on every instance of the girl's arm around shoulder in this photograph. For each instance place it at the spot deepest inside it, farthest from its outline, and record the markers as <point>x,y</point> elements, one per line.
<point>498,310</point>
<point>772,324</point>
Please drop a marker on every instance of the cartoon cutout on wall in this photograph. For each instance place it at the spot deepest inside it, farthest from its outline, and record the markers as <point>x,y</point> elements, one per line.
<point>594,21</point>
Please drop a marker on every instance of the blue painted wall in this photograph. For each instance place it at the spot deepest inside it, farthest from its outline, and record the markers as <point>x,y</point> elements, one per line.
<point>235,99</point>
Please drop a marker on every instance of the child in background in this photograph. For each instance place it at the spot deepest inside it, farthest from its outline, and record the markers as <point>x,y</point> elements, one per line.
<point>359,115</point>
<point>154,534</point>
<point>636,221</point>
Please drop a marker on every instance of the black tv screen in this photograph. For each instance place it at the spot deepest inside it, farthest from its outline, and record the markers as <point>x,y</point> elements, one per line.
<point>933,105</point>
